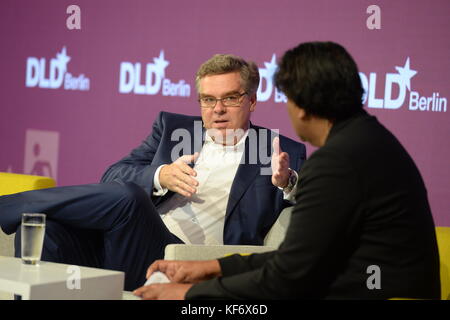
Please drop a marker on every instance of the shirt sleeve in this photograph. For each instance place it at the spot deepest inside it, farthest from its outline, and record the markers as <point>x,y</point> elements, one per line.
<point>157,189</point>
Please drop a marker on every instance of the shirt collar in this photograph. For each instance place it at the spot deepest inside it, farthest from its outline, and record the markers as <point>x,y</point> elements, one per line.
<point>238,145</point>
<point>338,126</point>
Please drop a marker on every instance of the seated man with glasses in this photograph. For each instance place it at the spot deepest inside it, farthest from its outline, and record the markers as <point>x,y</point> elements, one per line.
<point>201,180</point>
<point>359,230</point>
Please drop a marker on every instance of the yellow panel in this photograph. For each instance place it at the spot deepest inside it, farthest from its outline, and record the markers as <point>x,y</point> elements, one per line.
<point>13,183</point>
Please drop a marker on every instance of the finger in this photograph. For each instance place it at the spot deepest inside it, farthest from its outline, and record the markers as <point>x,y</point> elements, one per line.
<point>276,145</point>
<point>189,158</point>
<point>193,158</point>
<point>280,167</point>
<point>182,192</point>
<point>147,293</point>
<point>139,291</point>
<point>150,292</point>
<point>170,272</point>
<point>179,276</point>
<point>285,155</point>
<point>283,161</point>
<point>184,188</point>
<point>184,168</point>
<point>276,175</point>
<point>155,266</point>
<point>187,179</point>
<point>178,181</point>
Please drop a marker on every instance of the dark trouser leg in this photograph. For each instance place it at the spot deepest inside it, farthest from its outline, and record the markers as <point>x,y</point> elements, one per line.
<point>137,240</point>
<point>92,206</point>
<point>133,233</point>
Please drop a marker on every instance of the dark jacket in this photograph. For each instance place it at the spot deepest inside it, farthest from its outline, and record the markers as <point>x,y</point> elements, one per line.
<point>362,221</point>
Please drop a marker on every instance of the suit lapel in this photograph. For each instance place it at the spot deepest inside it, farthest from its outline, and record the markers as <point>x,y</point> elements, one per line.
<point>197,135</point>
<point>197,132</point>
<point>247,170</point>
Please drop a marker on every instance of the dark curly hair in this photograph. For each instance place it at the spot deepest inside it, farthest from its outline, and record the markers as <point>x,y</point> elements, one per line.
<point>321,78</point>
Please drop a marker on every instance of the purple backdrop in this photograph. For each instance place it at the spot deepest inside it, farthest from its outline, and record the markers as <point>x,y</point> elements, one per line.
<point>73,101</point>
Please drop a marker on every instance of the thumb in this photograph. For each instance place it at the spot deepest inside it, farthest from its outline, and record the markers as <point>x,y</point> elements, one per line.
<point>276,146</point>
<point>195,157</point>
<point>189,158</point>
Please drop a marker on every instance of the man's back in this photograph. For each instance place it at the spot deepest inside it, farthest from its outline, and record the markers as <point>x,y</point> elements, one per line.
<point>355,232</point>
<point>391,227</point>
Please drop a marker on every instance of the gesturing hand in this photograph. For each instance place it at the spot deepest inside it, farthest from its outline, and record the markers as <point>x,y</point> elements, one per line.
<point>280,165</point>
<point>178,176</point>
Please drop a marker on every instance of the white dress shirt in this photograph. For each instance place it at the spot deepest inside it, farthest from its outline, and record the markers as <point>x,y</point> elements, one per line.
<point>200,219</point>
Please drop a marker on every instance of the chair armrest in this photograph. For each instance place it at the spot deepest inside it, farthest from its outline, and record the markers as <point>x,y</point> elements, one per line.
<point>14,182</point>
<point>276,234</point>
<point>208,252</point>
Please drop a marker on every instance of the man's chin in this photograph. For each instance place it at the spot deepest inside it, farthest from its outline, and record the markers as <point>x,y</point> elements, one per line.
<point>304,139</point>
<point>221,125</point>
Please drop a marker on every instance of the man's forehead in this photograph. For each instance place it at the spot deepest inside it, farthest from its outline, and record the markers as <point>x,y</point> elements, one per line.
<point>227,93</point>
<point>225,83</point>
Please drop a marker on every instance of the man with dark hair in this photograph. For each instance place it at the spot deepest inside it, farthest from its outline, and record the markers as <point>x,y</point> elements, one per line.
<point>360,229</point>
<point>232,194</point>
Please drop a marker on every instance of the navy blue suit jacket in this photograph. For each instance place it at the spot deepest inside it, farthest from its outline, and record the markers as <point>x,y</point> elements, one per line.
<point>254,203</point>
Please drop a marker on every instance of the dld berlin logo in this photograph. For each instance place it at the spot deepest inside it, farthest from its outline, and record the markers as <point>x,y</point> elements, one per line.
<point>154,79</point>
<point>266,85</point>
<point>402,82</point>
<point>58,75</point>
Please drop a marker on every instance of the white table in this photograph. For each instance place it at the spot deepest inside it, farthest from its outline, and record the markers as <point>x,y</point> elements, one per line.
<point>55,281</point>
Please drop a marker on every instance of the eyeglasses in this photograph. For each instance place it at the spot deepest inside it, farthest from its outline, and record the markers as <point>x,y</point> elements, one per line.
<point>228,101</point>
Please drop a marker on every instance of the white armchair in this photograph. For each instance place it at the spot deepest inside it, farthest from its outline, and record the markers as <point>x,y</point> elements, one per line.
<point>272,241</point>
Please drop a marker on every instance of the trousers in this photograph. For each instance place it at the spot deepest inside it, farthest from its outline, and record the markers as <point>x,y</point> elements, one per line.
<point>111,226</point>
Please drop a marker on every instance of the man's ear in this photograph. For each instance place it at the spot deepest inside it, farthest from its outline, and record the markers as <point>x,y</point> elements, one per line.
<point>253,100</point>
<point>301,114</point>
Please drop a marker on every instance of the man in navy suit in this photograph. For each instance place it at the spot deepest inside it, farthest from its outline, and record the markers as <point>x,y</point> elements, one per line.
<point>205,180</point>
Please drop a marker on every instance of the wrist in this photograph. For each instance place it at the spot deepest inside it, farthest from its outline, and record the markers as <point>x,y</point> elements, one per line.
<point>214,269</point>
<point>161,175</point>
<point>291,182</point>
<point>158,186</point>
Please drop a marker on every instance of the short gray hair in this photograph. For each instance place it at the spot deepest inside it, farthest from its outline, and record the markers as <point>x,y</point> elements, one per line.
<point>226,63</point>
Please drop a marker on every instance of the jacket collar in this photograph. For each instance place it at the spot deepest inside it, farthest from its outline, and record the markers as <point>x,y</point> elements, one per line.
<point>340,125</point>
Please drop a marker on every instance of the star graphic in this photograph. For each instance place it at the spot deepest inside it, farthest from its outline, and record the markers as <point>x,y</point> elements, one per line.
<point>406,74</point>
<point>62,59</point>
<point>161,64</point>
<point>271,66</point>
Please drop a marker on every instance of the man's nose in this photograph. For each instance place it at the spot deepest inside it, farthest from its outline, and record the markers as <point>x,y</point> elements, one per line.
<point>219,107</point>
